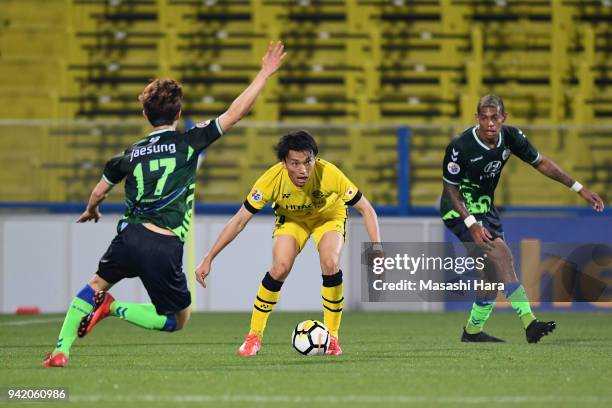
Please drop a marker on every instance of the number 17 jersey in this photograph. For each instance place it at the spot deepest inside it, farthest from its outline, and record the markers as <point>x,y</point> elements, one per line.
<point>159,173</point>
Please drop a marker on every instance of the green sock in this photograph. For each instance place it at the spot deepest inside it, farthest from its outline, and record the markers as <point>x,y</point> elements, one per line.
<point>78,309</point>
<point>479,316</point>
<point>520,304</point>
<point>143,315</point>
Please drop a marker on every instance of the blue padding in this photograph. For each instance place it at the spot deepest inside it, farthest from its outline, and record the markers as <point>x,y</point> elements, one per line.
<point>509,288</point>
<point>170,325</point>
<point>231,208</point>
<point>87,294</point>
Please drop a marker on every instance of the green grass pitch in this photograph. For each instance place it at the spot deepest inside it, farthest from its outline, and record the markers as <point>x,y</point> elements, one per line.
<point>390,359</point>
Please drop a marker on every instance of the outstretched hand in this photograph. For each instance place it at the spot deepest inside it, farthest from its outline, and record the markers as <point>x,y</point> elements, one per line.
<point>593,198</point>
<point>274,57</point>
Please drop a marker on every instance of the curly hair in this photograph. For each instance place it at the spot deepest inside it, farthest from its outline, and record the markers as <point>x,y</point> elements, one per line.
<point>299,141</point>
<point>161,101</point>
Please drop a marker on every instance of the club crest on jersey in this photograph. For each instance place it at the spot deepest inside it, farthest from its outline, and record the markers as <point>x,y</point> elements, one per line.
<point>506,154</point>
<point>256,195</point>
<point>453,168</point>
<point>317,194</point>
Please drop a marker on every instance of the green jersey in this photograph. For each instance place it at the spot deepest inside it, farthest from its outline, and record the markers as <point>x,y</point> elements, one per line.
<point>475,168</point>
<point>159,173</point>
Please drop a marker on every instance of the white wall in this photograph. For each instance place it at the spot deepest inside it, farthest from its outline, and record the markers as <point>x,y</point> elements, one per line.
<point>46,259</point>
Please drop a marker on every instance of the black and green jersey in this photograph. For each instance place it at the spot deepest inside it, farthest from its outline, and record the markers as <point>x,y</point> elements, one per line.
<point>475,168</point>
<point>159,173</point>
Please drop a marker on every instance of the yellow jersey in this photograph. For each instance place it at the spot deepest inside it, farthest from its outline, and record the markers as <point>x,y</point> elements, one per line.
<point>327,190</point>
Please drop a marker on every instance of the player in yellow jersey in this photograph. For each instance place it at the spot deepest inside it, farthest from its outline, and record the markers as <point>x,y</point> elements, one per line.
<point>310,197</point>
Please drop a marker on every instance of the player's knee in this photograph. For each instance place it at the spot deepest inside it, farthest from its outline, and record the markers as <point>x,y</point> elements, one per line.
<point>280,271</point>
<point>500,254</point>
<point>330,264</point>
<point>97,283</point>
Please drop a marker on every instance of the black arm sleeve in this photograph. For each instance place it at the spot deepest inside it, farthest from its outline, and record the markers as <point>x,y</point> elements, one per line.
<point>250,208</point>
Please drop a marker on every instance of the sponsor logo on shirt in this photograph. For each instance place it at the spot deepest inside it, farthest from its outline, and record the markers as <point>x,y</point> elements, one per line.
<point>493,167</point>
<point>296,207</point>
<point>491,170</point>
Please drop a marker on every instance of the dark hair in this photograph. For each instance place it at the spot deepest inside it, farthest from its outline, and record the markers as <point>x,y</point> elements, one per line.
<point>161,101</point>
<point>492,101</point>
<point>298,141</point>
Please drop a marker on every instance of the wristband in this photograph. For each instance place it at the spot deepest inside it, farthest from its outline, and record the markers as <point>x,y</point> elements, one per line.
<point>576,187</point>
<point>469,221</point>
<point>377,246</point>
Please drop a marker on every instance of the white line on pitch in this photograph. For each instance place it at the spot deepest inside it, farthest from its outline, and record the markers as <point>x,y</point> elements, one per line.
<point>32,321</point>
<point>331,399</point>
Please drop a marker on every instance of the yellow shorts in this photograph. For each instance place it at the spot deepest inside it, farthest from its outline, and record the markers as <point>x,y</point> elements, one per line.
<point>302,229</point>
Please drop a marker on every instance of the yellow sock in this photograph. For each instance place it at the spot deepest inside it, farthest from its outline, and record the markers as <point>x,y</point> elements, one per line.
<point>267,297</point>
<point>333,300</point>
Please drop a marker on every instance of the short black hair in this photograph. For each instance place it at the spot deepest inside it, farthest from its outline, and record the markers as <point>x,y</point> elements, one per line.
<point>492,101</point>
<point>298,141</point>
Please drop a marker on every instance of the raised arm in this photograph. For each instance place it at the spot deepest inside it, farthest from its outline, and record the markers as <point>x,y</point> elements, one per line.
<point>99,193</point>
<point>552,170</point>
<point>243,103</point>
<point>227,235</point>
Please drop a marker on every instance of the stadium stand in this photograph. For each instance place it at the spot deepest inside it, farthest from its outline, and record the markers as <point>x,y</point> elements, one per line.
<point>358,70</point>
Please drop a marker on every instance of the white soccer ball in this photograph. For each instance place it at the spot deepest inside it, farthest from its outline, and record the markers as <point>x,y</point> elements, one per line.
<point>310,338</point>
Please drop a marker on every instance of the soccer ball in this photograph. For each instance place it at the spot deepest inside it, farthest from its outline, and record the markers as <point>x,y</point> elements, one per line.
<point>310,338</point>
